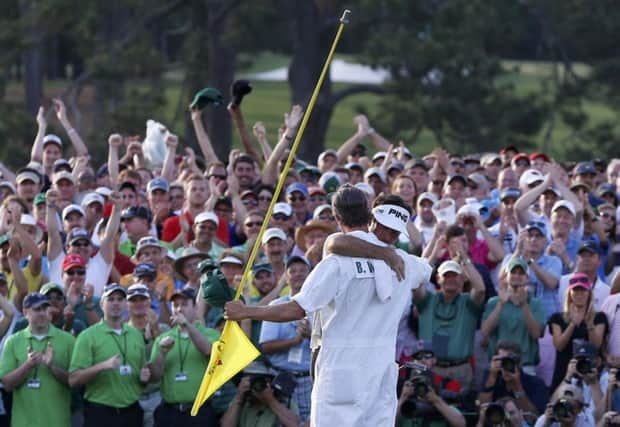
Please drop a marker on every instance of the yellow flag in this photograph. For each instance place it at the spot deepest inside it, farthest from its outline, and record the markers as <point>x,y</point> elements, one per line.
<point>233,352</point>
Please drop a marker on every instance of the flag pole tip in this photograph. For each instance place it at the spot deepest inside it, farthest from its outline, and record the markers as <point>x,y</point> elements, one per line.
<point>345,16</point>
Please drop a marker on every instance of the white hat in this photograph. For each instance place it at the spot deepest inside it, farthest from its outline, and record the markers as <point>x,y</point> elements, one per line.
<point>63,175</point>
<point>53,139</point>
<point>449,266</point>
<point>366,188</point>
<point>283,208</point>
<point>138,290</point>
<point>231,260</point>
<point>328,152</point>
<point>8,185</point>
<point>319,210</point>
<point>375,171</point>
<point>103,191</point>
<point>28,175</point>
<point>379,155</point>
<point>393,217</point>
<point>207,216</point>
<point>428,195</point>
<point>564,204</point>
<point>529,177</point>
<point>272,233</point>
<point>27,219</point>
<point>72,208</point>
<point>471,207</point>
<point>92,198</point>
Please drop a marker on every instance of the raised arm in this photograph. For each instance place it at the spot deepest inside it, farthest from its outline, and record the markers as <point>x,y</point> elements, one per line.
<point>36,153</point>
<point>292,120</point>
<point>167,171</point>
<point>30,247</point>
<point>107,243</point>
<point>380,142</point>
<point>261,136</point>
<point>21,285</point>
<point>203,139</point>
<point>54,242</point>
<point>350,144</point>
<point>114,142</point>
<point>76,140</point>
<point>7,316</point>
<point>528,199</point>
<point>238,207</point>
<point>246,139</point>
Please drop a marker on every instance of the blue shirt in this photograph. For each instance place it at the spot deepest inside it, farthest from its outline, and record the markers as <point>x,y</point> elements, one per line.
<point>295,359</point>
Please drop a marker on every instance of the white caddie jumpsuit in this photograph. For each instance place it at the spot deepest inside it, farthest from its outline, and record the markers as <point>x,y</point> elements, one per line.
<point>359,302</point>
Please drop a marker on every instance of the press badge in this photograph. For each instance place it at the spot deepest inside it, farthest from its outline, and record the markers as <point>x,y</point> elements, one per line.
<point>180,377</point>
<point>124,370</point>
<point>295,354</point>
<point>34,384</point>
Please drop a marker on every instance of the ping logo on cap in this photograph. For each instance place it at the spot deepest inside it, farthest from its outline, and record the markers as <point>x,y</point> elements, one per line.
<point>398,214</point>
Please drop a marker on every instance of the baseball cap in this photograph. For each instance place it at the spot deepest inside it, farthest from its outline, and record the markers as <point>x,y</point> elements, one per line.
<point>206,265</point>
<point>379,155</point>
<point>3,278</point>
<point>70,209</point>
<point>27,219</point>
<point>330,181</point>
<point>78,234</point>
<point>330,152</point>
<point>354,165</point>
<point>207,216</point>
<point>58,176</point>
<point>366,188</point>
<point>490,158</point>
<point>320,209</point>
<point>396,166</point>
<point>416,163</point>
<point>453,178</point>
<point>510,192</point>
<point>50,138</point>
<point>51,286</point>
<point>520,156</point>
<point>530,177</point>
<point>283,208</point>
<point>187,293</point>
<point>145,242</point>
<point>10,186</point>
<point>478,179</point>
<point>145,269</point>
<point>34,300</point>
<point>28,175</point>
<point>297,258</point>
<point>138,290</point>
<point>606,188</point>
<point>111,288</point>
<point>590,246</point>
<point>103,191</point>
<point>375,171</point>
<point>579,280</point>
<point>136,212</point>
<point>516,261</point>
<point>297,186</point>
<point>537,155</point>
<point>73,260</point>
<point>158,183</point>
<point>537,225</point>
<point>428,195</point>
<point>231,258</point>
<point>449,266</point>
<point>580,184</point>
<point>393,217</point>
<point>564,204</point>
<point>91,198</point>
<point>584,349</point>
<point>583,168</point>
<point>61,164</point>
<point>316,190</point>
<point>273,233</point>
<point>206,96</point>
<point>423,346</point>
<point>262,267</point>
<point>5,238</point>
<point>39,199</point>
<point>570,391</point>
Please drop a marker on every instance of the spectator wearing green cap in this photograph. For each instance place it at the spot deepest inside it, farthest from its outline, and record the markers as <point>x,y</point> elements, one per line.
<point>34,366</point>
<point>179,359</point>
<point>109,359</point>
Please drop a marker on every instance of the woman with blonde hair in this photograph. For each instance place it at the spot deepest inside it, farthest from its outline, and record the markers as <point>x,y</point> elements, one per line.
<point>405,187</point>
<point>578,322</point>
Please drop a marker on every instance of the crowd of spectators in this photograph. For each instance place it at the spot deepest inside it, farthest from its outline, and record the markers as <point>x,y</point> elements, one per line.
<point>103,266</point>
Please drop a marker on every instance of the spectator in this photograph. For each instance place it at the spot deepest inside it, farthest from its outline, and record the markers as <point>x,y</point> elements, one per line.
<point>275,248</point>
<point>196,192</point>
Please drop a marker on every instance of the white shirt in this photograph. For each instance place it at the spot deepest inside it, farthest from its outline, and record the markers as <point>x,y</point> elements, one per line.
<point>600,292</point>
<point>611,307</point>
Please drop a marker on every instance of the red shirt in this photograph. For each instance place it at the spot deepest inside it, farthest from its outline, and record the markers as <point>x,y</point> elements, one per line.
<point>172,228</point>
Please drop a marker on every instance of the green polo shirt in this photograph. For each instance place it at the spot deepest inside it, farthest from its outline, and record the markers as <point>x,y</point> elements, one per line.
<point>511,326</point>
<point>449,326</point>
<point>183,357</point>
<point>100,342</point>
<point>50,404</point>
<point>259,415</point>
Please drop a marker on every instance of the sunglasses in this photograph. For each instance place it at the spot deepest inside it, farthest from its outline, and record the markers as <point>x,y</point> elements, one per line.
<point>326,217</point>
<point>280,217</point>
<point>253,224</point>
<point>251,202</point>
<point>578,280</point>
<point>522,163</point>
<point>76,272</point>
<point>425,355</point>
<point>297,198</point>
<point>80,244</point>
<point>217,176</point>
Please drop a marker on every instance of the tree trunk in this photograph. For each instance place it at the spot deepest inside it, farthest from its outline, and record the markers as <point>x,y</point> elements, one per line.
<point>32,61</point>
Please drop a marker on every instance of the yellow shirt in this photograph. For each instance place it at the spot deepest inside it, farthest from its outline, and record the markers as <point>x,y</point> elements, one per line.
<point>33,282</point>
<point>127,280</point>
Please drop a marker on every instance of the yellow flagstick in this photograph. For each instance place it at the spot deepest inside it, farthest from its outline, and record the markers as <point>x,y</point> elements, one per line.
<point>234,351</point>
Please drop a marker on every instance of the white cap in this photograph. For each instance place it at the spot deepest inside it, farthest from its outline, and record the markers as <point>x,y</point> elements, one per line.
<point>393,217</point>
<point>51,138</point>
<point>272,233</point>
<point>529,177</point>
<point>428,195</point>
<point>283,208</point>
<point>63,175</point>
<point>366,188</point>
<point>8,185</point>
<point>471,207</point>
<point>27,175</point>
<point>207,216</point>
<point>564,204</point>
<point>103,191</point>
<point>27,219</point>
<point>72,208</point>
<point>231,260</point>
<point>376,171</point>
<point>319,210</point>
<point>92,198</point>
<point>449,266</point>
<point>379,155</point>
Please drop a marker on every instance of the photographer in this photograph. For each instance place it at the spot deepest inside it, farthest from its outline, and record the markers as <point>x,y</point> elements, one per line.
<point>566,409</point>
<point>610,419</point>
<point>610,380</point>
<point>507,378</point>
<point>504,412</point>
<point>257,404</point>
<point>420,405</point>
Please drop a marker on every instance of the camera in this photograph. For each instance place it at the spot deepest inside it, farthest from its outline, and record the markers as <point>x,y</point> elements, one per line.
<point>510,362</point>
<point>421,377</point>
<point>259,383</point>
<point>585,365</point>
<point>562,409</point>
<point>494,414</point>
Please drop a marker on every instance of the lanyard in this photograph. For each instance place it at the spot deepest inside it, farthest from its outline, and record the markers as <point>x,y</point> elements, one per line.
<point>36,368</point>
<point>182,354</point>
<point>123,350</point>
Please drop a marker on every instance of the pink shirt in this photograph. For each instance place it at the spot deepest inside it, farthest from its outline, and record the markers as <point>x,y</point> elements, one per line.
<point>479,253</point>
<point>611,307</point>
